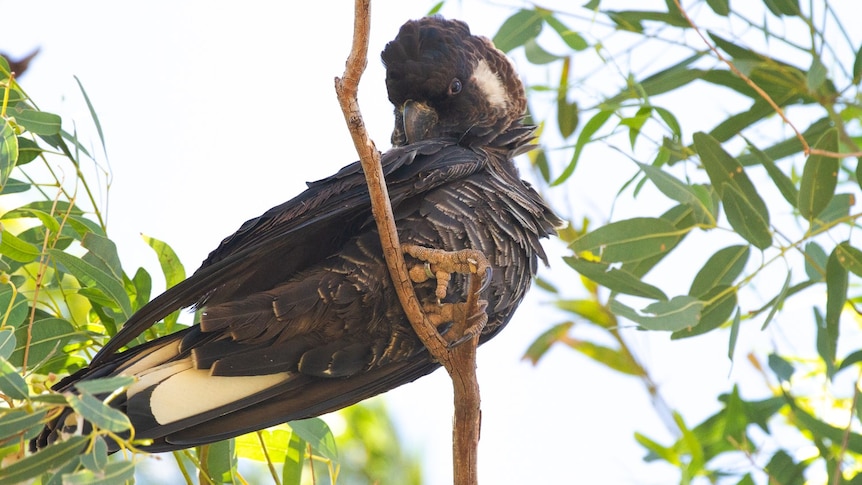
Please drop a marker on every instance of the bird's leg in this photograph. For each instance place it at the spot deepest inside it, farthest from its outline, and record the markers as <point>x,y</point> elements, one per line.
<point>440,265</point>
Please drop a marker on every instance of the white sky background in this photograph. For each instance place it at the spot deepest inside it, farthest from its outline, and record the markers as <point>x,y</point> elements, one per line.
<point>213,113</point>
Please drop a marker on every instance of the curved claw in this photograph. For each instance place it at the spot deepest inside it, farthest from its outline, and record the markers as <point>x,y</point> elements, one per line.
<point>486,282</point>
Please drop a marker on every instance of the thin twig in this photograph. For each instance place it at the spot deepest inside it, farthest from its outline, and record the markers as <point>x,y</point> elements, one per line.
<point>806,148</point>
<point>459,361</point>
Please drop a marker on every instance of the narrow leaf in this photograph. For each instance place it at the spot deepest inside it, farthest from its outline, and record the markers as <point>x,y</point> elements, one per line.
<point>744,217</point>
<point>317,433</point>
<point>849,257</point>
<point>615,279</point>
<point>90,275</point>
<point>11,382</point>
<point>836,289</point>
<point>518,29</point>
<point>47,459</point>
<point>8,151</point>
<point>779,178</point>
<point>545,340</point>
<point>590,128</point>
<point>37,122</point>
<point>47,336</point>
<point>678,313</point>
<point>734,334</point>
<point>629,240</point>
<point>778,301</point>
<point>98,413</point>
<point>18,421</point>
<point>722,268</point>
<point>819,178</point>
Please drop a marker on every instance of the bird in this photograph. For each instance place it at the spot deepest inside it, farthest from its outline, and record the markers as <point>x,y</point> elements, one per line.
<point>298,314</point>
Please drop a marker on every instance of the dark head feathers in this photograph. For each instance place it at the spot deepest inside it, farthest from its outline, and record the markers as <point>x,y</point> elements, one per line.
<point>452,83</point>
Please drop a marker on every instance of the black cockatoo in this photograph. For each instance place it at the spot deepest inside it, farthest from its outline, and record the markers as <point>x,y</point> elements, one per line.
<point>298,312</point>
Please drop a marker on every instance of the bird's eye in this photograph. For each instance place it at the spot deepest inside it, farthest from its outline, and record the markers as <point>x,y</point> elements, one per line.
<point>455,87</point>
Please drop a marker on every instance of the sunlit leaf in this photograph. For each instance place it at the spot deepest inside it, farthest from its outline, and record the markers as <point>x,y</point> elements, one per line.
<point>11,382</point>
<point>617,360</point>
<point>90,275</point>
<point>536,54</point>
<point>18,421</point>
<point>47,336</point>
<point>722,268</point>
<point>590,128</point>
<point>104,384</point>
<point>827,341</point>
<point>779,178</point>
<point>570,37</point>
<point>726,175</point>
<point>545,340</point>
<point>8,151</point>
<point>46,459</point>
<point>37,122</point>
<point>16,249</point>
<point>615,279</point>
<point>744,217</point>
<point>676,314</point>
<point>778,301</point>
<point>819,178</point>
<point>826,431</point>
<point>849,257</point>
<point>294,460</point>
<point>113,473</point>
<point>734,334</point>
<point>721,7</point>
<point>518,29</point>
<point>714,314</point>
<point>98,413</point>
<point>317,433</point>
<point>836,289</point>
<point>630,239</point>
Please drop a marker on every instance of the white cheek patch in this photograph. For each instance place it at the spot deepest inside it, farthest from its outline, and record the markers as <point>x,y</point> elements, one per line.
<point>491,85</point>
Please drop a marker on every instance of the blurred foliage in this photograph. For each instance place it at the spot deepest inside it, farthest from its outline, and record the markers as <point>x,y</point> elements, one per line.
<point>63,293</point>
<point>773,182</point>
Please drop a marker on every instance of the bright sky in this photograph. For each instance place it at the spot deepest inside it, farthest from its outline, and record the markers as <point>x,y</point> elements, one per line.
<point>213,112</point>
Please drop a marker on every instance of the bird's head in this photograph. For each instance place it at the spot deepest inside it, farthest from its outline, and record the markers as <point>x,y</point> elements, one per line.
<point>445,82</point>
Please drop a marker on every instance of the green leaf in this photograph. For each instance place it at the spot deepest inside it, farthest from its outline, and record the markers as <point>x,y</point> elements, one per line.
<point>12,311</point>
<point>590,310</point>
<point>734,334</point>
<point>537,55</point>
<point>827,431</point>
<point>819,178</point>
<point>114,473</point>
<point>28,150</point>
<point>317,433</point>
<point>518,29</point>
<point>744,217</point>
<point>98,413</point>
<point>567,113</point>
<point>545,340</point>
<point>667,454</point>
<point>836,289</point>
<point>780,367</point>
<point>8,152</point>
<point>294,461</point>
<point>778,301</point>
<point>97,458</point>
<point>92,276</point>
<point>49,458</point>
<point>615,359</point>
<point>11,382</point>
<point>16,249</point>
<point>170,263</point>
<point>722,268</point>
<point>615,279</point>
<point>7,342</point>
<point>714,314</point>
<point>725,171</point>
<point>16,422</point>
<point>720,7</point>
<point>849,257</point>
<point>857,66</point>
<point>275,440</point>
<point>37,122</point>
<point>48,336</point>
<point>676,314</point>
<point>636,122</point>
<point>590,128</point>
<point>816,74</point>
<point>783,7</point>
<point>815,261</point>
<point>570,37</point>
<point>779,178</point>
<point>218,460</point>
<point>629,240</point>
<point>827,341</point>
<point>104,385</point>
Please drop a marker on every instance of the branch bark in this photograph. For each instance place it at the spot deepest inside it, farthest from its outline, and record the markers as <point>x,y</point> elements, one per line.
<point>459,361</point>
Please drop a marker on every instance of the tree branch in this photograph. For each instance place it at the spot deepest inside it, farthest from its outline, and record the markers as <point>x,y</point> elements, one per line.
<point>459,361</point>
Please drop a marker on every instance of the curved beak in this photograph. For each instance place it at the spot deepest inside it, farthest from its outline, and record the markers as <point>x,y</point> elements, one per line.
<point>418,120</point>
